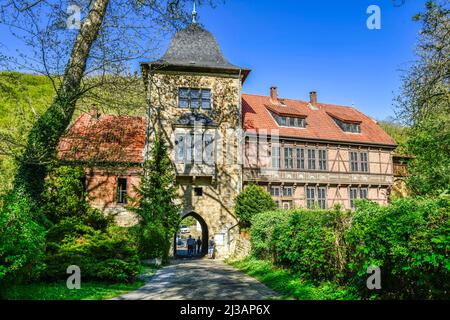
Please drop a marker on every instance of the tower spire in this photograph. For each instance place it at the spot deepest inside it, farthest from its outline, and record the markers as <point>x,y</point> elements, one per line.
<point>194,15</point>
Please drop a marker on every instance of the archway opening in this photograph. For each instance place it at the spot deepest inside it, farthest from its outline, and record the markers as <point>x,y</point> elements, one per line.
<point>191,239</point>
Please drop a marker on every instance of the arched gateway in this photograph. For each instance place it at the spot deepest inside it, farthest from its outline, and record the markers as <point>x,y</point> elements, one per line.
<point>204,236</point>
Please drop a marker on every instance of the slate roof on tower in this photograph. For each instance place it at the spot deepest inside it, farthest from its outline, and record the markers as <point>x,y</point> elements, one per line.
<point>196,48</point>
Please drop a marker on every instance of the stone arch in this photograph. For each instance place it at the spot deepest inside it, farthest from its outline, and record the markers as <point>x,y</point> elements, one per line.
<point>205,232</point>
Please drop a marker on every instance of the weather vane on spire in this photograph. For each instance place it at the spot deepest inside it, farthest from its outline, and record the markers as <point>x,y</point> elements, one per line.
<point>194,14</point>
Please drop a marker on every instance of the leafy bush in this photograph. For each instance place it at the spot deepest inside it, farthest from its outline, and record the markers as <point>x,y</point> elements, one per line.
<point>22,240</point>
<point>105,256</point>
<point>64,194</point>
<point>83,236</point>
<point>261,232</point>
<point>151,241</point>
<point>309,242</point>
<point>410,242</point>
<point>251,201</point>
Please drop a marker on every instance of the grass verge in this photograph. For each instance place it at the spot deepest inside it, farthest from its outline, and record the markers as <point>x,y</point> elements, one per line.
<point>290,286</point>
<point>88,291</point>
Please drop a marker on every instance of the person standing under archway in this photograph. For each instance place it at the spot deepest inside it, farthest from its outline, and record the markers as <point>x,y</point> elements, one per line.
<point>211,247</point>
<point>199,245</point>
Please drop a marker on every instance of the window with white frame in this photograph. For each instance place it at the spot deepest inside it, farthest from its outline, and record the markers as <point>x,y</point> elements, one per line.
<point>322,197</point>
<point>300,158</point>
<point>359,161</point>
<point>353,196</point>
<point>122,190</point>
<point>364,161</point>
<point>288,191</point>
<point>357,193</point>
<point>275,157</point>
<point>322,159</point>
<point>316,195</point>
<point>311,159</point>
<point>353,161</point>
<point>288,158</point>
<point>310,197</point>
<point>274,191</point>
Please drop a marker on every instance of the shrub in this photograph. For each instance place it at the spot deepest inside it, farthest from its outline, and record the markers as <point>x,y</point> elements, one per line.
<point>83,236</point>
<point>64,194</point>
<point>410,242</point>
<point>104,256</point>
<point>251,201</point>
<point>22,241</point>
<point>261,232</point>
<point>310,244</point>
<point>151,241</point>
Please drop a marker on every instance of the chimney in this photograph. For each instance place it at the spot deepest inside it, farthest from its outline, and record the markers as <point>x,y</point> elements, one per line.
<point>313,98</point>
<point>94,112</point>
<point>274,94</point>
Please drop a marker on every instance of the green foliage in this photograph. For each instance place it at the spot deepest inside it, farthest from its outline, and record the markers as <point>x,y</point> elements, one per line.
<point>409,240</point>
<point>58,291</point>
<point>261,232</point>
<point>80,235</point>
<point>289,285</point>
<point>157,203</point>
<point>430,169</point>
<point>251,201</point>
<point>22,240</point>
<point>424,104</point>
<point>103,256</point>
<point>63,194</point>
<point>398,132</point>
<point>23,97</point>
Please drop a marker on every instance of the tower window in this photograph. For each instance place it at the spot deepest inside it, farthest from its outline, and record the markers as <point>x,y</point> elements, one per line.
<point>198,192</point>
<point>122,190</point>
<point>194,98</point>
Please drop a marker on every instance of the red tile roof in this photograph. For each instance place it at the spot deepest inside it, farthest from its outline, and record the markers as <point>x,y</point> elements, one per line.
<point>106,139</point>
<point>319,124</point>
<point>122,138</point>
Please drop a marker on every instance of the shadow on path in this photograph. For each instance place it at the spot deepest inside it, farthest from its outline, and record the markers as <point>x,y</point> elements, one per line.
<point>200,280</point>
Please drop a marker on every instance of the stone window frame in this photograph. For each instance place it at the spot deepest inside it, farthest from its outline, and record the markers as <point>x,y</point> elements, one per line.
<point>200,97</point>
<point>190,155</point>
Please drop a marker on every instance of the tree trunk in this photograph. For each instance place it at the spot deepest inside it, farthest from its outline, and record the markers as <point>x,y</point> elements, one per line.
<point>43,139</point>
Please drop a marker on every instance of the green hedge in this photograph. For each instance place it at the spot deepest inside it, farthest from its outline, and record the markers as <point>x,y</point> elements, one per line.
<point>409,240</point>
<point>101,255</point>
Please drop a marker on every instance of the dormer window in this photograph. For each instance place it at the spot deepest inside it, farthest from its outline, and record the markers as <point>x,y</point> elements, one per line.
<point>289,121</point>
<point>352,127</point>
<point>194,98</point>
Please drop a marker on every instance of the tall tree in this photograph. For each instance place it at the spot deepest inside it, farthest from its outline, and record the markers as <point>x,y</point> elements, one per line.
<point>111,34</point>
<point>158,202</point>
<point>424,103</point>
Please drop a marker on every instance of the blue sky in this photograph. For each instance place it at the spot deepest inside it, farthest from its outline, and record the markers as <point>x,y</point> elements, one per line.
<point>322,45</point>
<point>301,45</point>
